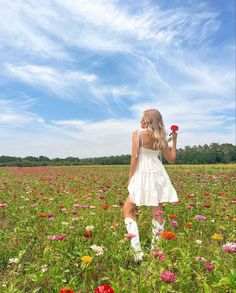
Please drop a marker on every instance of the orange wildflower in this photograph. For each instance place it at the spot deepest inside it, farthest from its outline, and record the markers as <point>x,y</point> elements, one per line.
<point>188,224</point>
<point>168,235</point>
<point>172,216</point>
<point>42,214</point>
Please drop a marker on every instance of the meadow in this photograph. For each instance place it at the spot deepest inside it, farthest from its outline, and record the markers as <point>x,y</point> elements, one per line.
<point>62,230</point>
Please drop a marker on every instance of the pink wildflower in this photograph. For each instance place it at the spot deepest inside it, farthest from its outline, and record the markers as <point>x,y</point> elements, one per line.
<point>58,237</point>
<point>168,277</point>
<point>229,247</point>
<point>209,266</point>
<point>174,224</point>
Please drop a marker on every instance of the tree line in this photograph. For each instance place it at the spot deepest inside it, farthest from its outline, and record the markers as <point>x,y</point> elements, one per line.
<point>207,154</point>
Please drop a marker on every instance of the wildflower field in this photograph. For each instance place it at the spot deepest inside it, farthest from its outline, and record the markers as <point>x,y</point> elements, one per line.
<point>62,230</point>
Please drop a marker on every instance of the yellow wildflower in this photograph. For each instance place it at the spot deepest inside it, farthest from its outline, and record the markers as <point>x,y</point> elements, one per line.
<point>86,258</point>
<point>217,236</point>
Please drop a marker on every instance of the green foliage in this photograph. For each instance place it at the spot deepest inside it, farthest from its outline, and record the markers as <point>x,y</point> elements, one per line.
<point>213,154</point>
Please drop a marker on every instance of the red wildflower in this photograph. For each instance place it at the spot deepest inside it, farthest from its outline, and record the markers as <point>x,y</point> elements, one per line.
<point>105,206</point>
<point>206,205</point>
<point>66,290</point>
<point>88,234</point>
<point>104,289</point>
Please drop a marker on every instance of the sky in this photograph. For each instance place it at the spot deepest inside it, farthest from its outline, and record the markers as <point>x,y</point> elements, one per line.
<point>76,76</point>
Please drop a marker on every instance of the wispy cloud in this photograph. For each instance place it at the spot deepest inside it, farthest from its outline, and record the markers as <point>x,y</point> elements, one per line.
<point>108,61</point>
<point>15,114</point>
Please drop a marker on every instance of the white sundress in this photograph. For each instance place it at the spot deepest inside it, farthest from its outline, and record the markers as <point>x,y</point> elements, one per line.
<point>150,184</point>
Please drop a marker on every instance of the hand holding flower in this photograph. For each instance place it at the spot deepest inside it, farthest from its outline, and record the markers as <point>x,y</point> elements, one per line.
<point>173,135</point>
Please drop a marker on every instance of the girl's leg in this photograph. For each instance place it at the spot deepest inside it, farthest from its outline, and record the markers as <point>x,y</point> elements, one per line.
<point>157,224</point>
<point>129,210</point>
<point>155,216</point>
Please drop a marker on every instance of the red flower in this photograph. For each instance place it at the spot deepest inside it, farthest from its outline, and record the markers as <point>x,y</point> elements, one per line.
<point>104,289</point>
<point>206,205</point>
<point>105,206</point>
<point>174,128</point>
<point>66,290</point>
<point>88,234</point>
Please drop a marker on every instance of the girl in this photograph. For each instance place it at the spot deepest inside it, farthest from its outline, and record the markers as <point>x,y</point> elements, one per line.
<point>149,183</point>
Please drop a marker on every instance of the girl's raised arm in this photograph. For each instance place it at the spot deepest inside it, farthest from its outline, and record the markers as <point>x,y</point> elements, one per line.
<point>170,155</point>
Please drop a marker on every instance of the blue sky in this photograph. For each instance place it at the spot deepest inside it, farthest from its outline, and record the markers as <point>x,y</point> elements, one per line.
<point>75,76</point>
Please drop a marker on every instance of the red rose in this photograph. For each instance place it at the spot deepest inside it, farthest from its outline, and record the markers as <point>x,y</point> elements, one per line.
<point>174,128</point>
<point>104,289</point>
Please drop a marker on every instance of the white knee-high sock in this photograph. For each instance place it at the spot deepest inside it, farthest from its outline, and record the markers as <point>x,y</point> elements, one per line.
<point>132,228</point>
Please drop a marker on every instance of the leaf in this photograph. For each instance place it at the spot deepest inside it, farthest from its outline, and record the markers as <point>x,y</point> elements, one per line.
<point>34,277</point>
<point>207,288</point>
<point>224,282</point>
<point>21,252</point>
<point>104,279</point>
<point>36,290</point>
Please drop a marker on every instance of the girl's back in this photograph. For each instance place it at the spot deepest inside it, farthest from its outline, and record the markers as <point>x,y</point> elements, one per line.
<point>145,140</point>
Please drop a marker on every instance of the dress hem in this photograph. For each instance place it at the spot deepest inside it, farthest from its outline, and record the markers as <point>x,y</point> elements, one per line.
<point>155,204</point>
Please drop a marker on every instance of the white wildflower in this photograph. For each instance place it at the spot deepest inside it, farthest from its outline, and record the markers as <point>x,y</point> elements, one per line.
<point>13,260</point>
<point>89,228</point>
<point>97,249</point>
<point>65,223</point>
<point>44,268</point>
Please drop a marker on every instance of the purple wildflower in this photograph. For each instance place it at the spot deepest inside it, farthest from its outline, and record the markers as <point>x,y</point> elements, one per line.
<point>200,218</point>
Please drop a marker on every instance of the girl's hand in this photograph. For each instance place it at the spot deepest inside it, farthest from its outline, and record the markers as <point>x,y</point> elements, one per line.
<point>174,136</point>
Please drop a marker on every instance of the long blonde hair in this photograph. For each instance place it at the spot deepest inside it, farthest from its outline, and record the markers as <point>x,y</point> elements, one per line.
<point>155,125</point>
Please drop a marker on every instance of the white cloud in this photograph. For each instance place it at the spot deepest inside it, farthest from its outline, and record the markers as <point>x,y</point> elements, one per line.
<point>91,139</point>
<point>20,29</point>
<point>62,83</point>
<point>131,57</point>
<point>14,113</point>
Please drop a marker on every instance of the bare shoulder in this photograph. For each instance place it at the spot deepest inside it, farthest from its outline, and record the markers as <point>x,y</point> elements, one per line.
<point>135,133</point>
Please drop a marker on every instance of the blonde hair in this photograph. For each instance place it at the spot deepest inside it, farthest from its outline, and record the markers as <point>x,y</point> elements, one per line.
<point>154,124</point>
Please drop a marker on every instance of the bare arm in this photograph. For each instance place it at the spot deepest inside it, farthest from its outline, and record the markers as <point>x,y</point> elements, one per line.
<point>134,158</point>
<point>170,155</point>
